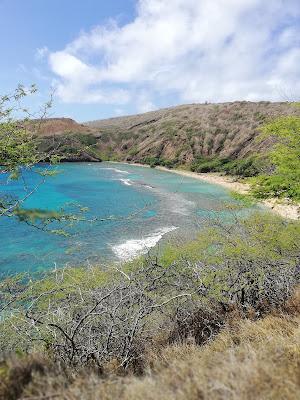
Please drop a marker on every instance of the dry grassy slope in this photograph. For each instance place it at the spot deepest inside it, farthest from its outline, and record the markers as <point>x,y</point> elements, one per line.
<point>250,360</point>
<point>183,132</point>
<point>226,130</point>
<point>59,126</point>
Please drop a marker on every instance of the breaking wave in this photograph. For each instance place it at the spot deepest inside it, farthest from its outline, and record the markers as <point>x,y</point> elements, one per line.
<point>126,182</point>
<point>120,171</point>
<point>136,247</point>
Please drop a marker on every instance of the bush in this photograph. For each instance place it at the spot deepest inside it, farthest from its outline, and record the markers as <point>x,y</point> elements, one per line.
<point>248,167</point>
<point>156,161</point>
<point>91,317</point>
<point>86,139</point>
<point>284,180</point>
<point>276,185</point>
<point>202,164</point>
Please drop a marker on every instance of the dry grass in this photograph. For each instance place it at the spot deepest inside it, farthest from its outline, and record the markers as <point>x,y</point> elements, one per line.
<point>180,133</point>
<point>58,126</point>
<point>185,132</point>
<point>256,360</point>
<point>248,360</point>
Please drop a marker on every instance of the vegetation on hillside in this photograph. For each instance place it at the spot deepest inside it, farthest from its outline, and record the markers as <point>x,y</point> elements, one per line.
<point>72,146</point>
<point>246,167</point>
<point>183,133</point>
<point>284,179</point>
<point>177,135</point>
<point>225,138</point>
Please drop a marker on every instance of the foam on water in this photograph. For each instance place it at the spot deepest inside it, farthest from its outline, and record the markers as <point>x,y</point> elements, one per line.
<point>126,182</point>
<point>135,247</point>
<point>120,171</point>
<point>146,204</point>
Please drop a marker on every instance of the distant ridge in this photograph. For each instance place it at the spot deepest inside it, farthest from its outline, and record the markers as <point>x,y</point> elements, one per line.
<point>181,133</point>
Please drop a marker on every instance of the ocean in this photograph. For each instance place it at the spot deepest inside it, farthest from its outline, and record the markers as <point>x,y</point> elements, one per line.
<point>131,210</point>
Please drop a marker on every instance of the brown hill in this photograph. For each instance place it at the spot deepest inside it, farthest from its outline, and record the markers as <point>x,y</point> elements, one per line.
<point>59,126</point>
<point>180,134</point>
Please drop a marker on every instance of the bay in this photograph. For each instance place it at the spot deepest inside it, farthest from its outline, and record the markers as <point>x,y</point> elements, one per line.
<point>131,209</point>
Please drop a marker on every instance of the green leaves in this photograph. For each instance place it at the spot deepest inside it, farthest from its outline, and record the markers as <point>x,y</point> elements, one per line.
<point>17,147</point>
<point>19,153</point>
<point>284,180</point>
<point>259,236</point>
<point>246,167</point>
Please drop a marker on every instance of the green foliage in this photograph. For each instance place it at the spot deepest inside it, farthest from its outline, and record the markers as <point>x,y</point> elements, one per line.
<point>278,186</point>
<point>259,116</point>
<point>70,146</point>
<point>248,263</point>
<point>105,137</point>
<point>284,180</point>
<point>17,148</point>
<point>20,151</point>
<point>156,161</point>
<point>246,167</point>
<point>245,199</point>
<point>259,236</point>
<point>204,164</point>
<point>64,282</point>
<point>86,139</point>
<point>133,151</point>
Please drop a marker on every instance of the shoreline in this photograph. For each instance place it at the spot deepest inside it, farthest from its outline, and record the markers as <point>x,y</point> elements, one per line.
<point>289,211</point>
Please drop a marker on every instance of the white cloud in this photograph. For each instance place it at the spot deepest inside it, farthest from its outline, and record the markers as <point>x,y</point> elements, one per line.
<point>77,79</point>
<point>194,50</point>
<point>144,102</point>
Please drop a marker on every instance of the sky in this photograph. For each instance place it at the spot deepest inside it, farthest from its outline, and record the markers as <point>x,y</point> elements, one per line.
<point>109,58</point>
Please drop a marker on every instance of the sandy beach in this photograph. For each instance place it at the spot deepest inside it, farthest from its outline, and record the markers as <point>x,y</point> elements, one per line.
<point>285,210</point>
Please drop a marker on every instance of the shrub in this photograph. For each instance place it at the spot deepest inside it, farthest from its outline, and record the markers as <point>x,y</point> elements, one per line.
<point>284,180</point>
<point>202,164</point>
<point>156,161</point>
<point>86,139</point>
<point>94,317</point>
<point>248,167</point>
<point>276,185</point>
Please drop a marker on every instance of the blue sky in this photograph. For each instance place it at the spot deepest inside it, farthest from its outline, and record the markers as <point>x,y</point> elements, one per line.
<point>109,58</point>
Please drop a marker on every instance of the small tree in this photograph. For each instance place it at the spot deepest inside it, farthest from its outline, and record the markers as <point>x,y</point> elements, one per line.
<point>19,154</point>
<point>284,181</point>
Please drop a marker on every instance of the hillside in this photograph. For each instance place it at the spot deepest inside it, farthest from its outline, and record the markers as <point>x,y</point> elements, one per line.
<point>179,134</point>
<point>59,126</point>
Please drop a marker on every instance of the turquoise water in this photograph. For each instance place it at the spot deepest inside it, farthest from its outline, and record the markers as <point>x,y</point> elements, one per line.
<point>131,209</point>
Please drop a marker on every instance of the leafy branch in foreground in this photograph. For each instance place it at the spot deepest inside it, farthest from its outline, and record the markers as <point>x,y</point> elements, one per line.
<point>18,148</point>
<point>19,155</point>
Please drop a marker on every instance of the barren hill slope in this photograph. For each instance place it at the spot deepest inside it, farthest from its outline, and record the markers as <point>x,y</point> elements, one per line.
<point>59,126</point>
<point>225,130</point>
<point>181,133</point>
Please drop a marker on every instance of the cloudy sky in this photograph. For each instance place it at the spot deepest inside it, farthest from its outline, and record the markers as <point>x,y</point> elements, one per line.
<point>108,58</point>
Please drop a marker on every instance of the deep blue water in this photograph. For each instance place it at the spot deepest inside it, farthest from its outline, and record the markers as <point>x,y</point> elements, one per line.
<point>139,207</point>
